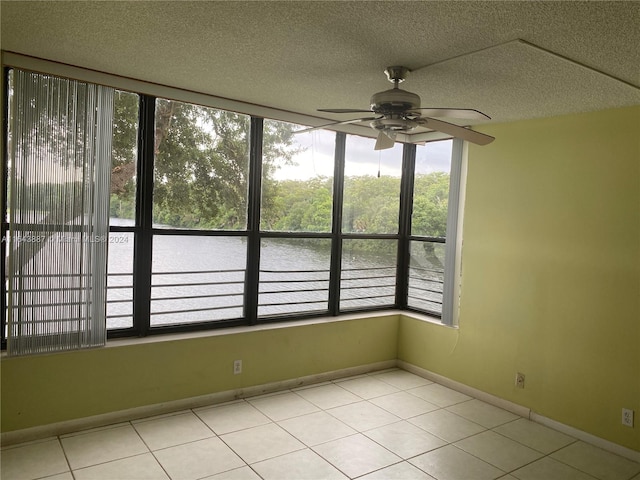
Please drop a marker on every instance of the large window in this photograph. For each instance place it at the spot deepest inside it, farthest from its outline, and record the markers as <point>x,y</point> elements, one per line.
<point>370,213</point>
<point>297,179</point>
<point>197,278</point>
<point>200,168</point>
<point>371,187</point>
<point>295,221</point>
<point>218,218</point>
<point>429,226</point>
<point>122,210</point>
<point>200,181</point>
<point>294,276</point>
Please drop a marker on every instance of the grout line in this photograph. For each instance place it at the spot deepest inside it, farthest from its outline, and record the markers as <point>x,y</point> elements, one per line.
<point>64,452</point>
<point>160,463</point>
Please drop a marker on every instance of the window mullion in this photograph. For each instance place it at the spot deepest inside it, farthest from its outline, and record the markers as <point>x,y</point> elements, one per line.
<point>143,241</point>
<point>404,224</point>
<point>336,225</point>
<point>252,276</point>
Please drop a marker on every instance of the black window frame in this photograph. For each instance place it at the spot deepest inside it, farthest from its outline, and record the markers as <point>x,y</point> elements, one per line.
<point>143,232</point>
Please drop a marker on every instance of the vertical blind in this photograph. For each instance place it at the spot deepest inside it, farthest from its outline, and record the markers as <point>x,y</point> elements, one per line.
<point>59,179</point>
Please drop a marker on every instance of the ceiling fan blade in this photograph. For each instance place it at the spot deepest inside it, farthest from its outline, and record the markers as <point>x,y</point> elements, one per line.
<point>355,120</point>
<point>457,131</point>
<point>343,110</point>
<point>462,113</point>
<point>385,140</point>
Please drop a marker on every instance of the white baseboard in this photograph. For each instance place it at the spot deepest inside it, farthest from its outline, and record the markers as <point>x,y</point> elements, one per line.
<point>523,412</point>
<point>70,426</point>
<point>587,437</point>
<point>467,390</point>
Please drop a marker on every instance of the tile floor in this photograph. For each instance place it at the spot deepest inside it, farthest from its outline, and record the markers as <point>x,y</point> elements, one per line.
<point>385,425</point>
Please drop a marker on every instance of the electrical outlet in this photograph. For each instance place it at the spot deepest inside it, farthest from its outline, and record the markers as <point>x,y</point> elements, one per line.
<point>237,367</point>
<point>627,417</point>
<point>519,380</point>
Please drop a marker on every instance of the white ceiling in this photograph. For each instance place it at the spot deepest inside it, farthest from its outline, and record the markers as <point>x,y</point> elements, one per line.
<point>511,60</point>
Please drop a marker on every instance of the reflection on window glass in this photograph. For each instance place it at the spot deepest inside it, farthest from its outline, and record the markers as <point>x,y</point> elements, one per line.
<point>120,280</point>
<point>297,179</point>
<point>371,187</point>
<point>426,276</point>
<point>294,276</point>
<point>368,273</point>
<point>197,278</point>
<point>124,158</point>
<point>201,167</point>
<point>431,189</point>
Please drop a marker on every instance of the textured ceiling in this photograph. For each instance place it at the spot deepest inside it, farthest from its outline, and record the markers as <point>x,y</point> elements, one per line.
<point>303,55</point>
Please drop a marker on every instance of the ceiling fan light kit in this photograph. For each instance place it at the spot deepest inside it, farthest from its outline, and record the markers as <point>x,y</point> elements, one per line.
<point>399,111</point>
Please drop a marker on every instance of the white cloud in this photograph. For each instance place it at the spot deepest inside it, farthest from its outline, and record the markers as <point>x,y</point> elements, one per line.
<point>316,157</point>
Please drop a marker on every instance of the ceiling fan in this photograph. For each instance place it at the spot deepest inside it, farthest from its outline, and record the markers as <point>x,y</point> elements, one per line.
<point>399,111</point>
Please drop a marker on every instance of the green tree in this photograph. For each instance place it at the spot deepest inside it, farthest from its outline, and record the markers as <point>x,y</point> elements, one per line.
<point>430,204</point>
<point>371,204</point>
<point>124,152</point>
<point>300,206</point>
<point>201,165</point>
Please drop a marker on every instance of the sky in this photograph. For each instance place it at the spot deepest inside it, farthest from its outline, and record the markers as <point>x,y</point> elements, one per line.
<point>318,146</point>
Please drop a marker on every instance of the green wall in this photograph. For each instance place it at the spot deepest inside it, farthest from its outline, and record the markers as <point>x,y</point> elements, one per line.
<point>43,389</point>
<point>551,273</point>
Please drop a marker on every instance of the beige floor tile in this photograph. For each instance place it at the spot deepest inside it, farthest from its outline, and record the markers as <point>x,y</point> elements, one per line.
<point>399,471</point>
<point>367,387</point>
<point>172,430</point>
<point>282,406</point>
<point>140,467</point>
<point>316,428</point>
<point>534,435</point>
<point>451,463</point>
<point>597,462</point>
<point>102,445</point>
<point>263,442</point>
<point>356,455</point>
<point>363,415</point>
<point>33,460</point>
<point>404,405</point>
<point>499,451</point>
<point>402,379</point>
<point>60,476</point>
<point>299,465</point>
<point>405,439</point>
<point>549,469</point>
<point>482,413</point>
<point>439,395</point>
<point>231,418</point>
<point>328,396</point>
<point>447,425</point>
<point>199,459</point>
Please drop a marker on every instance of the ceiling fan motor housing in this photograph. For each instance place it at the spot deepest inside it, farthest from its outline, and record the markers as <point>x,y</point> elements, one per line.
<point>395,124</point>
<point>394,100</point>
